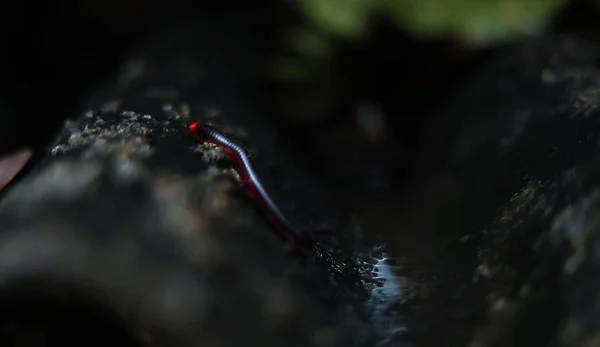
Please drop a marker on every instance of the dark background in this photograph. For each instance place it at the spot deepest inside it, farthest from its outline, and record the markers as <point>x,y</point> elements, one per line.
<point>53,54</point>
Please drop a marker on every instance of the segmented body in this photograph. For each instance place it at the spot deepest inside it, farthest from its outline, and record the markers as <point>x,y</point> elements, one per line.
<point>242,159</point>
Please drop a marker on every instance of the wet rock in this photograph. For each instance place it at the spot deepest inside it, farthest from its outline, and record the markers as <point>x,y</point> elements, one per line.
<point>496,248</point>
<point>519,148</point>
<point>125,210</point>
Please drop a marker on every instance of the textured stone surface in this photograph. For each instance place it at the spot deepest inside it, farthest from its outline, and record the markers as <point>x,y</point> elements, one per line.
<point>500,234</point>
<point>523,156</point>
<point>171,248</point>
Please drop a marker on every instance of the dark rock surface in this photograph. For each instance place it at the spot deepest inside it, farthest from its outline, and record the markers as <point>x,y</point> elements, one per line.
<point>127,211</point>
<point>164,247</point>
<point>499,231</point>
<point>508,202</point>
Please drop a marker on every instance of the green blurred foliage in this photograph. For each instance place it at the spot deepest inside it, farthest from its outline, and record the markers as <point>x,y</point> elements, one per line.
<point>479,21</point>
<point>307,64</point>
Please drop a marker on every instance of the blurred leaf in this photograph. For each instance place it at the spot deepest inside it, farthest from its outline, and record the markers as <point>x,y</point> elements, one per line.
<point>473,20</point>
<point>345,18</point>
<point>481,21</point>
<point>309,43</point>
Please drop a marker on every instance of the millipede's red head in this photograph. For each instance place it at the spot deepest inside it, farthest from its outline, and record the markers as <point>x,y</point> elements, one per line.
<point>194,128</point>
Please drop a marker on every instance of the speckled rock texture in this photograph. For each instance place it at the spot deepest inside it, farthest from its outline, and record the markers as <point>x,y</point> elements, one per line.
<point>128,211</point>
<point>520,145</point>
<point>497,247</point>
<point>175,252</point>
